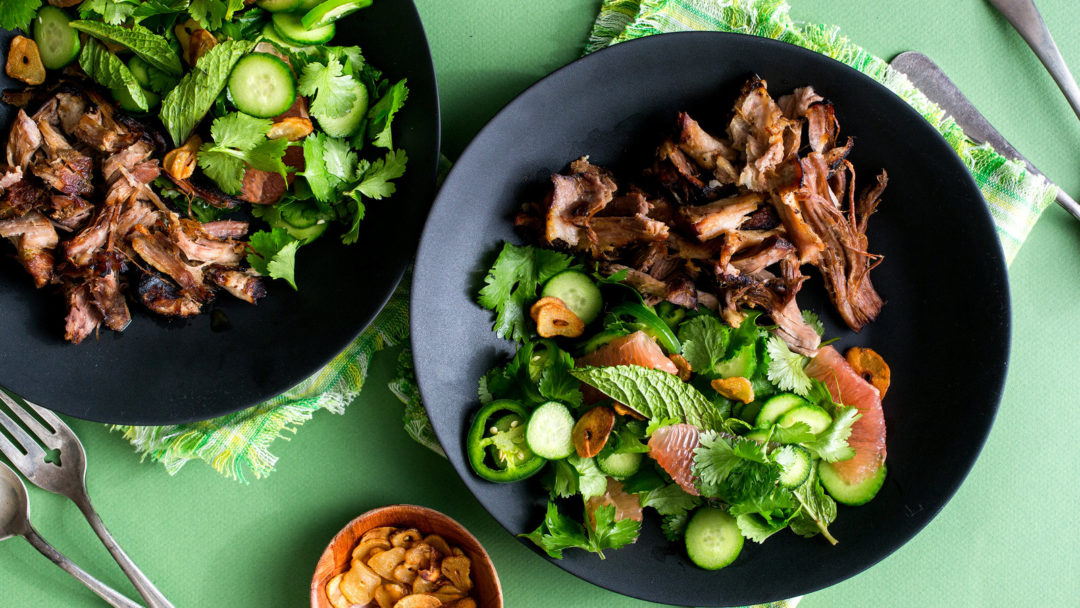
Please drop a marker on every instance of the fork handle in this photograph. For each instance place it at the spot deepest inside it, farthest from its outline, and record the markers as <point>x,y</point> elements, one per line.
<point>103,591</point>
<point>150,593</point>
<point>1025,17</point>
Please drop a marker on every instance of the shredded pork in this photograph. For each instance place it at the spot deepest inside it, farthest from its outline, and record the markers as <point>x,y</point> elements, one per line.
<point>728,221</point>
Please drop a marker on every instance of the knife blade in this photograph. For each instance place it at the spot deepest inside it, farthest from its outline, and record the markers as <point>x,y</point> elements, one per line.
<point>932,81</point>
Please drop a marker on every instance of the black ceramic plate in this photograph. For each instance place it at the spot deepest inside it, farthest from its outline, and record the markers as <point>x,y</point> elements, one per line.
<point>162,371</point>
<point>944,331</point>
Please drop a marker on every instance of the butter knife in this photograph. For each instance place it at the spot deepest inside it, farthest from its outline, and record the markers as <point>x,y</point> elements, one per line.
<point>932,81</point>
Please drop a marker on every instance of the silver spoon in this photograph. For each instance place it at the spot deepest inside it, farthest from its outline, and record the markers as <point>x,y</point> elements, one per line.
<point>1023,16</point>
<point>15,521</point>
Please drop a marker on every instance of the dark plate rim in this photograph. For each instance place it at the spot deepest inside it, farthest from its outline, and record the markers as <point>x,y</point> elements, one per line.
<point>983,220</point>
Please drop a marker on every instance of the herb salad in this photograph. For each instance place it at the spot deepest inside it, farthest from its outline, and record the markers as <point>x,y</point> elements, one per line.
<point>622,407</point>
<point>258,105</point>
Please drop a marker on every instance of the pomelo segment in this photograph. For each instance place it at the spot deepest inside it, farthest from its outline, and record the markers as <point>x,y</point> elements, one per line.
<point>636,349</point>
<point>673,449</point>
<point>868,432</point>
<point>627,506</point>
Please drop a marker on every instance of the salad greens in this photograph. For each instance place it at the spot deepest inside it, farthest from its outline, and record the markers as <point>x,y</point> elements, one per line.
<point>141,50</point>
<point>759,471</point>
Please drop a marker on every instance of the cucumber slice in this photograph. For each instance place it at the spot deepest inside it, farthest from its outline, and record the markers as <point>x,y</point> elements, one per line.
<point>140,70</point>
<point>332,10</point>
<point>262,85</point>
<point>758,435</point>
<point>58,43</point>
<point>123,98</point>
<point>277,6</point>
<point>288,26</point>
<point>777,406</point>
<point>347,124</point>
<point>307,5</point>
<point>847,493</point>
<point>797,467</point>
<point>750,412</point>
<point>713,539</point>
<point>742,363</point>
<point>550,433</point>
<point>618,465</point>
<point>817,418</point>
<point>577,291</point>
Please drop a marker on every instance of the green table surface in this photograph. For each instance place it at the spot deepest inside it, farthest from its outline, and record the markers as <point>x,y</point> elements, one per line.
<point>1009,537</point>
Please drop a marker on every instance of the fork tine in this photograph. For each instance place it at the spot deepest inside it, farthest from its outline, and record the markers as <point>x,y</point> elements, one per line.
<point>48,416</point>
<point>13,453</point>
<point>28,444</point>
<point>28,419</point>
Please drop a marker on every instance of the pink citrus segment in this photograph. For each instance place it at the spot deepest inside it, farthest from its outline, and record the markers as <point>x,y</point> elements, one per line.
<point>636,349</point>
<point>627,506</point>
<point>673,449</point>
<point>868,432</point>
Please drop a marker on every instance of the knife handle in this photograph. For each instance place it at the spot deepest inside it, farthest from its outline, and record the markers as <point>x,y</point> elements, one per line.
<point>1023,16</point>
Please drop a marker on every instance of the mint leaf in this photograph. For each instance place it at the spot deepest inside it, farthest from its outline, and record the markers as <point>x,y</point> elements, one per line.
<point>512,281</point>
<point>147,45</point>
<point>653,393</point>
<point>786,368</point>
<point>605,532</point>
<point>333,91</point>
<point>17,14</point>
<point>382,114</point>
<point>274,254</point>
<point>818,509</point>
<point>704,341</point>
<point>108,71</point>
<point>184,107</point>
<point>832,444</point>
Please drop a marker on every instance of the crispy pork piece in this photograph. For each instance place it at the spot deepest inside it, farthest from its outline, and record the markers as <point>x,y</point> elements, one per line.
<point>741,290</point>
<point>83,317</point>
<point>821,126</point>
<point>608,235</point>
<point>198,246</point>
<point>795,104</point>
<point>106,292</point>
<point>34,238</point>
<point>20,198</point>
<point>710,153</point>
<point>160,252</point>
<point>163,297</point>
<point>226,229</point>
<point>763,255</point>
<point>64,168</point>
<point>69,212</point>
<point>242,284</point>
<point>760,130</point>
<point>23,141</point>
<point>574,200</point>
<point>711,220</point>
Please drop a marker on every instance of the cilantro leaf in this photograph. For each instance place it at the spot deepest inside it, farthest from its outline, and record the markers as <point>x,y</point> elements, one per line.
<point>274,254</point>
<point>240,141</point>
<point>565,482</point>
<point>17,14</point>
<point>147,45</point>
<point>333,91</point>
<point>556,383</point>
<point>591,480</point>
<point>653,393</point>
<point>211,13</point>
<point>811,319</point>
<point>704,341</point>
<point>512,281</point>
<point>375,179</point>
<point>670,500</point>
<point>113,12</point>
<point>786,367</point>
<point>757,528</point>
<point>323,184</point>
<point>557,533</point>
<point>382,114</point>
<point>714,459</point>
<point>340,159</point>
<point>832,445</point>
<point>605,532</point>
<point>674,526</point>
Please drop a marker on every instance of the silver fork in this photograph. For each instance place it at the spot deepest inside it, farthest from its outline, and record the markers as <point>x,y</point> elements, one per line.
<point>66,476</point>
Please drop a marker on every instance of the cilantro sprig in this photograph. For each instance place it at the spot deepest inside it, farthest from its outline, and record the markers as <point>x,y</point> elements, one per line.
<point>240,142</point>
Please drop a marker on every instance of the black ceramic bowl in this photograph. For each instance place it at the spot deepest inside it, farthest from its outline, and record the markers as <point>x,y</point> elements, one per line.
<point>161,371</point>
<point>944,330</point>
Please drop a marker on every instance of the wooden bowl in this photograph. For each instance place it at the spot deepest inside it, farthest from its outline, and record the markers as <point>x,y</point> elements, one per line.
<point>486,588</point>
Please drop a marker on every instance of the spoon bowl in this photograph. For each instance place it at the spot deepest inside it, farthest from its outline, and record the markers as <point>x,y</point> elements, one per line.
<point>14,504</point>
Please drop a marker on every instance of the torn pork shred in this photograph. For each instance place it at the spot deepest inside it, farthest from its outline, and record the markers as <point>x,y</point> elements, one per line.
<point>727,222</point>
<point>76,168</point>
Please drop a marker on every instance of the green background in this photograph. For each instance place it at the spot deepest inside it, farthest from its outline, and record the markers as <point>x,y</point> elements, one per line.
<point>1009,537</point>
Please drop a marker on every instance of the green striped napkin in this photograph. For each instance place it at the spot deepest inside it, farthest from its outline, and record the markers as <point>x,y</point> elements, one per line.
<point>239,444</point>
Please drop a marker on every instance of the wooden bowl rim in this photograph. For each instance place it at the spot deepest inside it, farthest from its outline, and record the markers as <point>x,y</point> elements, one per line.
<point>318,582</point>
